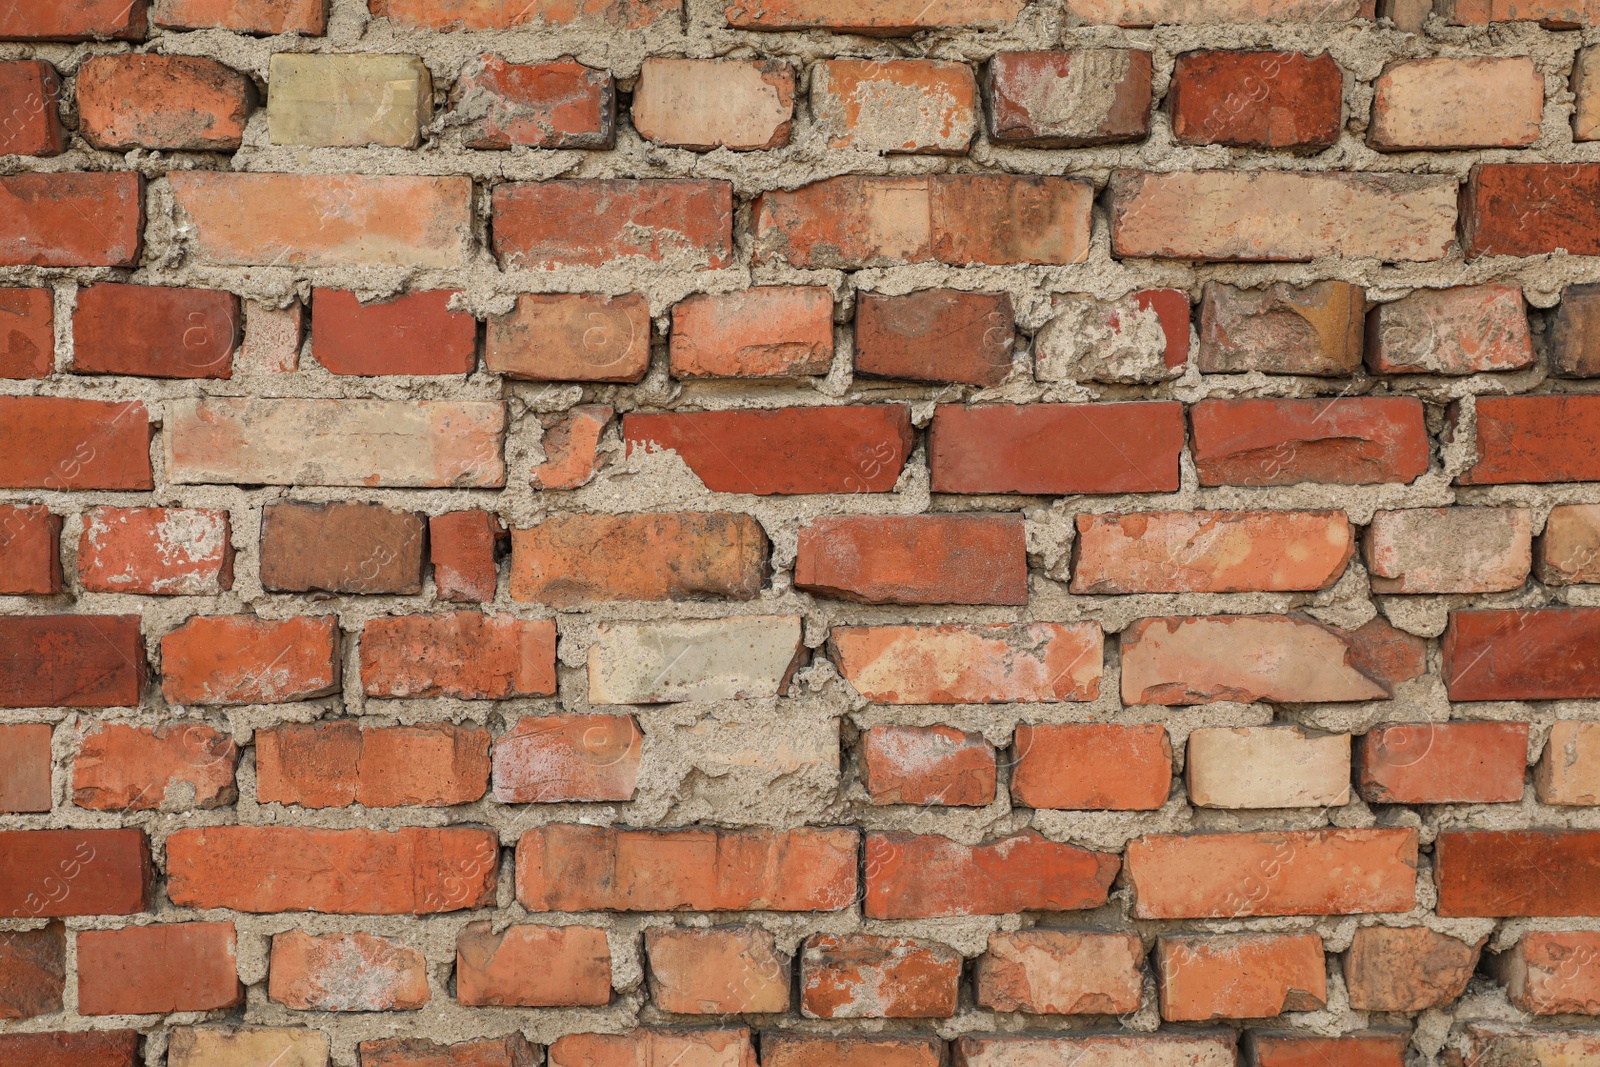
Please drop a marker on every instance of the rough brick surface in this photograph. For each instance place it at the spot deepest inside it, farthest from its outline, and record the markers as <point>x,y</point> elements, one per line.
<point>71,661</point>
<point>33,970</point>
<point>1437,103</point>
<point>30,551</point>
<point>27,322</point>
<point>1060,972</point>
<point>339,763</point>
<point>541,105</point>
<point>1315,330</point>
<point>162,102</point>
<point>242,659</point>
<point>532,966</point>
<point>1091,766</point>
<point>1257,99</point>
<point>132,768</point>
<point>1211,551</point>
<point>935,335</point>
<point>1343,441</point>
<point>932,559</point>
<point>1408,968</point>
<point>904,105</point>
<point>156,551</point>
<point>1517,872</point>
<point>704,104</point>
<point>771,331</point>
<point>721,971</point>
<point>465,654</point>
<point>30,90</point>
<point>25,768</point>
<point>69,220</point>
<point>971,664</point>
<point>913,876</point>
<point>109,872</point>
<point>1443,763</point>
<point>155,970</point>
<point>1239,976</point>
<point>414,334</point>
<point>1069,99</point>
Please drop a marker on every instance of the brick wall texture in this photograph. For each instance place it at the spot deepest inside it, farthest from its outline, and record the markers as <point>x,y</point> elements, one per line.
<point>799,533</point>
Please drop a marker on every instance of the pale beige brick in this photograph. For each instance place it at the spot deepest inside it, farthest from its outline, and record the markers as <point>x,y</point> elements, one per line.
<point>1267,767</point>
<point>348,100</point>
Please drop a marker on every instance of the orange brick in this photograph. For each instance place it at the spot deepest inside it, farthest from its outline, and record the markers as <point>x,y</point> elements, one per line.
<point>121,767</point>
<point>1371,1049</point>
<point>532,966</point>
<point>654,1048</point>
<point>82,20</point>
<point>971,664</point>
<point>1239,976</point>
<point>156,551</point>
<point>341,547</point>
<point>415,333</point>
<point>866,976</point>
<point>915,559</point>
<point>155,331</point>
<point>912,876</point>
<point>571,446</point>
<point>542,105</point>
<point>72,220</point>
<point>568,758</point>
<point>889,17</point>
<point>591,222</point>
<point>783,1049</point>
<point>1552,972</point>
<point>929,765</point>
<point>30,551</point>
<point>465,654</point>
<point>863,104</point>
<point>308,18</point>
<point>1061,972</point>
<point>242,659</point>
<point>1432,103</point>
<point>721,971</point>
<point>1157,1050</point>
<point>1407,968</point>
<point>30,96</point>
<point>768,331</point>
<point>571,337</point>
<point>1340,441</point>
<point>1092,766</point>
<point>156,970</point>
<point>462,546</point>
<point>25,768</point>
<point>345,972</point>
<point>512,1050</point>
<point>338,763</point>
<point>186,103</point>
<point>1211,551</point>
<point>1443,763</point>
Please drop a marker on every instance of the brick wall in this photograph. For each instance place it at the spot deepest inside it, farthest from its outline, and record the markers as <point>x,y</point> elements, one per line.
<point>628,533</point>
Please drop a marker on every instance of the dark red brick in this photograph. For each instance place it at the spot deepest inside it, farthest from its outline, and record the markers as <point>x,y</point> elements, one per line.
<point>159,969</point>
<point>27,333</point>
<point>935,335</point>
<point>71,220</point>
<point>1531,209</point>
<point>462,547</point>
<point>59,443</point>
<point>915,559</point>
<point>155,332</point>
<point>1523,654</point>
<point>90,1048</point>
<point>416,333</point>
<point>55,873</point>
<point>1338,440</point>
<point>1517,872</point>
<point>30,551</point>
<point>33,972</point>
<point>1573,334</point>
<point>30,91</point>
<point>1256,99</point>
<point>70,661</point>
<point>1536,439</point>
<point>341,548</point>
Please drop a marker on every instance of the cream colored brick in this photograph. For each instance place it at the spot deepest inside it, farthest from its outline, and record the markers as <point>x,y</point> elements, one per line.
<point>713,103</point>
<point>1267,767</point>
<point>1569,548</point>
<point>248,1046</point>
<point>1569,771</point>
<point>1449,550</point>
<point>348,101</point>
<point>1586,93</point>
<point>272,338</point>
<point>693,659</point>
<point>1476,102</point>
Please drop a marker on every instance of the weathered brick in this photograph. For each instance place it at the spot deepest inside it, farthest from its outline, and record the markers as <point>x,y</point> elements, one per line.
<point>590,222</point>
<point>714,103</point>
<point>1517,872</point>
<point>895,105</point>
<point>1061,972</point>
<point>1285,872</point>
<point>1537,1048</point>
<point>33,969</point>
<point>927,765</point>
<point>1528,654</point>
<point>71,661</point>
<point>1337,440</point>
<point>325,220</point>
<point>1311,330</point>
<point>370,443</point>
<point>348,100</point>
<point>915,876</point>
<point>342,547</point>
<point>85,1048</point>
<point>512,1050</point>
<point>768,331</point>
<point>308,18</point>
<point>1142,337</point>
<point>1370,1049</point>
<point>1463,330</point>
<point>1586,95</point>
<point>1443,763</point>
<point>1438,103</point>
<point>121,767</point>
<point>72,220</point>
<point>567,758</point>
<point>156,551</point>
<point>855,449</point>
<point>416,333</point>
<point>337,763</point>
<point>245,1046</point>
<point>1217,215</point>
<point>915,559</point>
<point>1182,12</point>
<point>653,557</point>
<point>345,972</point>
<point>1408,968</point>
<point>1276,658</point>
<point>1056,449</point>
<point>272,337</point>
<point>559,869</point>
<point>1257,99</point>
<point>103,872</point>
<point>1144,1050</point>
<point>79,20</point>
<point>971,664</point>
<point>1572,334</point>
<point>889,17</point>
<point>449,15</point>
<point>720,971</point>
<point>541,105</point>
<point>1530,209</point>
<point>412,871</point>
<point>461,546</point>
<point>867,221</point>
<point>654,1048</point>
<point>1449,550</point>
<point>27,326</point>
<point>786,1049</point>
<point>1568,773</point>
<point>156,970</point>
<point>1090,96</point>
<point>30,96</point>
<point>155,331</point>
<point>163,103</point>
<point>745,658</point>
<point>1239,976</point>
<point>935,335</point>
<point>532,966</point>
<point>30,550</point>
<point>571,337</point>
<point>571,445</point>
<point>1267,767</point>
<point>1536,439</point>
<point>867,976</point>
<point>242,659</point>
<point>1552,972</point>
<point>1211,551</point>
<point>464,654</point>
<point>1092,766</point>
<point>1552,14</point>
<point>25,768</point>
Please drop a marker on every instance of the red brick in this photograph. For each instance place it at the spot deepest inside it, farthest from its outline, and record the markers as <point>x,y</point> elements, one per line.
<point>1407,968</point>
<point>1436,103</point>
<point>1141,337</point>
<point>860,104</point>
<point>30,97</point>
<point>1182,12</point>
<point>1092,766</point>
<point>33,970</point>
<point>721,971</point>
<point>30,550</point>
<point>27,324</point>
<point>155,332</point>
<point>1552,972</point>
<point>1536,439</point>
<point>308,18</point>
<point>121,767</point>
<point>916,876</point>
<point>1061,972</point>
<point>25,768</point>
<point>325,220</point>
<point>73,20</point>
<point>826,1050</point>
<point>337,763</point>
<point>892,17</point>
<point>1463,330</point>
<point>567,758</point>
<point>60,443</point>
<point>592,222</point>
<point>1526,654</point>
<point>451,15</point>
<point>266,869</point>
<point>71,220</point>
<point>653,557</point>
<point>868,221</point>
<point>784,450</point>
<point>156,551</point>
<point>1282,329</point>
<point>342,547</point>
<point>512,1050</point>
<point>571,445</point>
<point>564,867</point>
<point>971,664</point>
<point>1291,872</point>
<point>1443,763</point>
<point>89,1048</point>
<point>532,966</point>
<point>157,970</point>
<point>1338,440</point>
<point>71,661</point>
<point>53,873</point>
<point>1211,551</point>
<point>1517,872</point>
<point>704,104</point>
<point>461,546</point>
<point>415,333</point>
<point>1145,1050</point>
<point>465,654</point>
<point>865,976</point>
<point>1056,449</point>
<point>542,105</point>
<point>1372,1049</point>
<point>1572,334</point>
<point>655,1048</point>
<point>1094,96</point>
<point>935,335</point>
<point>915,559</point>
<point>1239,976</point>
<point>578,337</point>
<point>346,972</point>
<point>242,659</point>
<point>928,765</point>
<point>164,103</point>
<point>1531,209</point>
<point>767,331</point>
<point>1257,99</point>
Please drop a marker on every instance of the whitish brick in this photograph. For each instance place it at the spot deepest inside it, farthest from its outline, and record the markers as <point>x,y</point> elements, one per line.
<point>1449,550</point>
<point>693,659</point>
<point>1586,93</point>
<point>1569,548</point>
<point>1141,337</point>
<point>1061,972</point>
<point>348,100</point>
<point>1473,102</point>
<point>1184,12</point>
<point>981,664</point>
<point>1267,767</point>
<point>1568,773</point>
<point>714,103</point>
<point>272,338</point>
